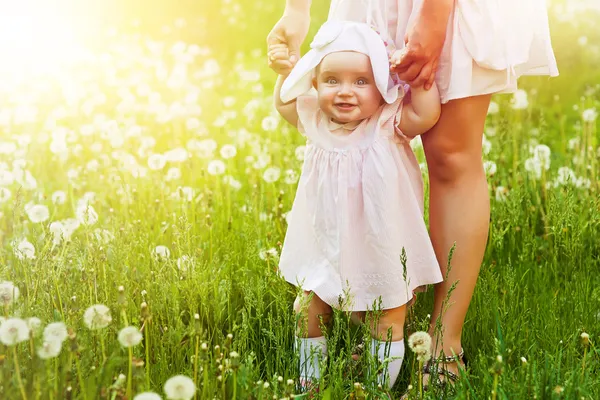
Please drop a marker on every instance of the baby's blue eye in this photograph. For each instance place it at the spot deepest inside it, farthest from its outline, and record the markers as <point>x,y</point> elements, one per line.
<point>361,82</point>
<point>332,81</point>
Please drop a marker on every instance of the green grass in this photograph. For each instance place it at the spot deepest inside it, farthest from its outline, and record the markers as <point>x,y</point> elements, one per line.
<point>537,293</point>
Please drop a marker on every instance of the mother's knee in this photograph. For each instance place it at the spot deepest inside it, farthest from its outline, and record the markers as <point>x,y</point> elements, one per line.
<point>449,161</point>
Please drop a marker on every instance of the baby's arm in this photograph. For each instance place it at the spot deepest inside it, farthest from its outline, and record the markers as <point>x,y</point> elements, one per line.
<point>421,109</point>
<point>422,112</point>
<point>288,111</point>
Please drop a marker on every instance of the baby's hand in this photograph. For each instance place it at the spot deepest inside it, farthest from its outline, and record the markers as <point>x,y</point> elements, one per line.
<point>279,59</point>
<point>395,59</point>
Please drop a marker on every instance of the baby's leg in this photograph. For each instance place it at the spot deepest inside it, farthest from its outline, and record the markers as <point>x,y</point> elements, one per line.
<point>310,309</point>
<point>310,342</point>
<point>391,319</point>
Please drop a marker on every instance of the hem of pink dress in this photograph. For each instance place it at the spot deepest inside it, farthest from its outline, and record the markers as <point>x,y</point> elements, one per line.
<point>365,303</point>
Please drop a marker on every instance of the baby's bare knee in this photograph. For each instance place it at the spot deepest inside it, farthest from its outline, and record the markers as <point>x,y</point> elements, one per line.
<point>311,304</point>
<point>390,322</point>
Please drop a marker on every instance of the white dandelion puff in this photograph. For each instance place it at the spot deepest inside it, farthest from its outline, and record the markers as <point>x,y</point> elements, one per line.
<point>489,167</point>
<point>177,155</point>
<point>147,396</point>
<point>589,115</point>
<point>9,293</point>
<point>56,331</point>
<point>162,253</point>
<point>184,263</point>
<point>493,108</point>
<point>38,213</point>
<point>291,176</point>
<point>269,123</point>
<point>268,254</point>
<point>300,152</point>
<point>97,317</point>
<point>180,387</point>
<point>565,176</point>
<point>271,174</point>
<point>86,214</point>
<point>156,162</point>
<point>49,349</point>
<point>228,151</point>
<point>501,193</point>
<point>519,100</point>
<point>173,174</point>
<point>34,324</point>
<point>59,197</point>
<point>14,331</point>
<point>542,153</point>
<point>24,250</point>
<point>486,145</point>
<point>130,336</point>
<point>534,167</point>
<point>420,344</point>
<point>216,167</point>
<point>5,195</point>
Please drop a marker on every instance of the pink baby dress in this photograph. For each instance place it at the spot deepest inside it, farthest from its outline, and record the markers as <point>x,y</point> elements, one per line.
<point>359,203</point>
<point>489,43</point>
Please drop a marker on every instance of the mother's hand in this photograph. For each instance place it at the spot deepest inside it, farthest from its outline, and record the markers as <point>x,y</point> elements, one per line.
<point>290,30</point>
<point>424,42</point>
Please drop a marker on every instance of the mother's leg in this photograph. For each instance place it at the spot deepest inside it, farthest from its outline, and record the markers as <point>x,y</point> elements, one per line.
<point>459,209</point>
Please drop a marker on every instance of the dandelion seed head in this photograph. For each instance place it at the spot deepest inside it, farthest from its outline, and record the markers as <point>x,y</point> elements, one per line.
<point>271,174</point>
<point>38,213</point>
<point>216,167</point>
<point>162,253</point>
<point>49,349</point>
<point>179,387</point>
<point>97,317</point>
<point>147,396</point>
<point>14,331</point>
<point>9,293</point>
<point>130,336</point>
<point>56,331</point>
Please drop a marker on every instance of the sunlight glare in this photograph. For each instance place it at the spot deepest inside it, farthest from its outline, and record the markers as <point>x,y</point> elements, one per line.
<point>35,37</point>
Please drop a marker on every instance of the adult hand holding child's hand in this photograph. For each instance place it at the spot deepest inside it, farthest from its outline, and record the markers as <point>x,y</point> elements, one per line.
<point>279,59</point>
<point>424,39</point>
<point>288,33</point>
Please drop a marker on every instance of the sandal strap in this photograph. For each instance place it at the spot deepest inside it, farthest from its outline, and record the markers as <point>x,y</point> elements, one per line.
<point>450,359</point>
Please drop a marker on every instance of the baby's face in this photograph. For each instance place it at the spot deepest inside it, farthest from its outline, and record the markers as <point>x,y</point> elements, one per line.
<point>346,87</point>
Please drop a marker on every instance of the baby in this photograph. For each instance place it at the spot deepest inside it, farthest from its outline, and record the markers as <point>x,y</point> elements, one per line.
<point>359,201</point>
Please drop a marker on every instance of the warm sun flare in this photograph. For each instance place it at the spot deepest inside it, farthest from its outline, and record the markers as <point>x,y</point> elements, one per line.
<point>35,36</point>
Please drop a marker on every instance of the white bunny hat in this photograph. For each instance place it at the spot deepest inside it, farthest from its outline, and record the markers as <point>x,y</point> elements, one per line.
<point>334,36</point>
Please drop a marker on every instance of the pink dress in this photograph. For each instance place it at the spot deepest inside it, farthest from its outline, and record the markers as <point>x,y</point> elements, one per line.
<point>489,43</point>
<point>359,203</point>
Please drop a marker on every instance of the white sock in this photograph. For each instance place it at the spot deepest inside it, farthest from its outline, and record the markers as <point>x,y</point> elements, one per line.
<point>312,350</point>
<point>395,356</point>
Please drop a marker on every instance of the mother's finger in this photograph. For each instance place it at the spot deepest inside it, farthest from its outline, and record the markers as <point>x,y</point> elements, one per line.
<point>423,76</point>
<point>431,78</point>
<point>411,73</point>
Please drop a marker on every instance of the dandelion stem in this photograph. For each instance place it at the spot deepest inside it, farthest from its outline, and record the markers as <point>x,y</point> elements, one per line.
<point>420,379</point>
<point>129,373</point>
<point>495,388</point>
<point>147,334</point>
<point>18,373</point>
<point>196,366</point>
<point>234,384</point>
<point>48,374</point>
<point>80,377</point>
<point>102,348</point>
<point>583,362</point>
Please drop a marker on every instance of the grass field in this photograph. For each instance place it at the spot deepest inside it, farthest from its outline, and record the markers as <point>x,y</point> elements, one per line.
<point>151,175</point>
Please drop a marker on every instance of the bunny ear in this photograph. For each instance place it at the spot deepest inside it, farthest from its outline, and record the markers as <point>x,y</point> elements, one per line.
<point>329,31</point>
<point>335,36</point>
